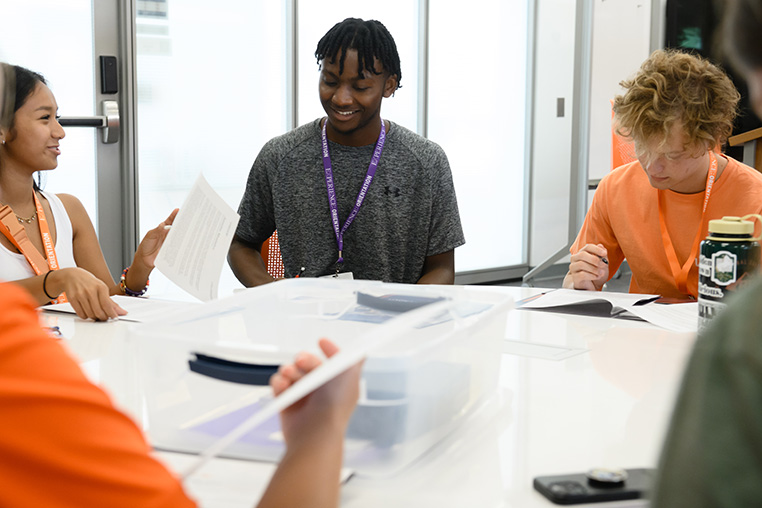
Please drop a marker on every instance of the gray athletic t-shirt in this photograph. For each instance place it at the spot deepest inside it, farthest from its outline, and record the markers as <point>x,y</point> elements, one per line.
<point>409,212</point>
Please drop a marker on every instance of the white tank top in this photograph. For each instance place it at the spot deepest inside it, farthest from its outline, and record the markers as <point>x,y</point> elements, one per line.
<point>14,266</point>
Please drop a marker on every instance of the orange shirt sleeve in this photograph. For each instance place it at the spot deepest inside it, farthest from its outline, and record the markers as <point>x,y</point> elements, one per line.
<point>597,228</point>
<point>62,442</point>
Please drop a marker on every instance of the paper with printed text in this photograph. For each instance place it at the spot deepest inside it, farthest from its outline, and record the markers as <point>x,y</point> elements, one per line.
<point>195,249</point>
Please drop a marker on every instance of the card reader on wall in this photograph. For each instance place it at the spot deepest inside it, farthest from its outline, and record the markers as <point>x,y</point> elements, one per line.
<point>235,372</point>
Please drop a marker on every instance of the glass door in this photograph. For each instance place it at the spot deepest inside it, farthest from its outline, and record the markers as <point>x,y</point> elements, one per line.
<point>63,41</point>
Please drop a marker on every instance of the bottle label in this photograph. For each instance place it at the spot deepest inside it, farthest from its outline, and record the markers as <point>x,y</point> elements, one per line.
<point>724,264</point>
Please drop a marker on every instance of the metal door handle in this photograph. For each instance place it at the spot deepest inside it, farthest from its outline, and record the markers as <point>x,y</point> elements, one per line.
<point>108,121</point>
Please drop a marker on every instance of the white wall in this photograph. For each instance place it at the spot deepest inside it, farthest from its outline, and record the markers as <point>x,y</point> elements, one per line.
<point>621,41</point>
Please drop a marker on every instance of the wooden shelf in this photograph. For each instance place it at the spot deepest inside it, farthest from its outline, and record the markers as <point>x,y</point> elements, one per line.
<point>740,139</point>
<point>751,140</point>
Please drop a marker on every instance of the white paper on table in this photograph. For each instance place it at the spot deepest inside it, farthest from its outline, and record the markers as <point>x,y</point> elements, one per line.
<point>139,310</point>
<point>197,244</point>
<point>677,317</point>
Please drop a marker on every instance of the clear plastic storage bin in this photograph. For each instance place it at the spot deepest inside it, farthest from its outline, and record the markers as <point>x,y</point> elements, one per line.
<point>415,389</point>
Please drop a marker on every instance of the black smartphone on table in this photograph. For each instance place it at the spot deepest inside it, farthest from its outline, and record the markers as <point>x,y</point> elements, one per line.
<point>578,488</point>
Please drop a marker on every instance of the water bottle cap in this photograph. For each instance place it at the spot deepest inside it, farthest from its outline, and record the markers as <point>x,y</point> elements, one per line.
<point>731,226</point>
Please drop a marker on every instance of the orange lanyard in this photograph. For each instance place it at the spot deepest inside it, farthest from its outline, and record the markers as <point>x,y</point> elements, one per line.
<point>16,233</point>
<point>680,273</point>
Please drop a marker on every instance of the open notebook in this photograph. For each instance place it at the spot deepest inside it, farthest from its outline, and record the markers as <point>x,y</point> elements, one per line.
<point>680,317</point>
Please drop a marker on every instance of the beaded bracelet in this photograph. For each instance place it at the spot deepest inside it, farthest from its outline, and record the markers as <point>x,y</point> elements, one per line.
<point>127,291</point>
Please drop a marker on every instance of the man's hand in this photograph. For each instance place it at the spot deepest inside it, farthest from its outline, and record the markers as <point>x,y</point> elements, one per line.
<point>588,269</point>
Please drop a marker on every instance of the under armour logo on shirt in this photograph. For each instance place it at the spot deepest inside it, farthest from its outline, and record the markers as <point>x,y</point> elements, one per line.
<point>394,191</point>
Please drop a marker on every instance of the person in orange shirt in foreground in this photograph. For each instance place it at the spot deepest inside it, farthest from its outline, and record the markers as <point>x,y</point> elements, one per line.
<point>655,211</point>
<point>63,444</point>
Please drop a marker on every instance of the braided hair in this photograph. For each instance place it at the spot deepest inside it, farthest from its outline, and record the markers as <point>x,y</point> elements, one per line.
<point>369,38</point>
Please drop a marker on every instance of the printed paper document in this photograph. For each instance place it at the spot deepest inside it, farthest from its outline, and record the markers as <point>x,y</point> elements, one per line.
<point>195,249</point>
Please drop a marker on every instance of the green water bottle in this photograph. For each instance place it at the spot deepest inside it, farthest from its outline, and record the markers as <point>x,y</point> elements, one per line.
<point>730,256</point>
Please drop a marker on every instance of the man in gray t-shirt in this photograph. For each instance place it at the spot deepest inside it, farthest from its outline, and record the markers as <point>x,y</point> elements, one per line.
<point>347,193</point>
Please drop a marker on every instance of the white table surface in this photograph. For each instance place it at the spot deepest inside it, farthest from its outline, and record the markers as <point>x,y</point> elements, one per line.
<point>606,402</point>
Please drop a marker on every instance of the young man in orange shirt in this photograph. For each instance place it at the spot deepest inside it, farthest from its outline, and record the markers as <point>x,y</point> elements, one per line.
<point>655,211</point>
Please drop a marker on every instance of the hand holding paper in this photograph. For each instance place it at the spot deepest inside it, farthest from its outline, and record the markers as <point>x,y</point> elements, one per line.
<point>329,406</point>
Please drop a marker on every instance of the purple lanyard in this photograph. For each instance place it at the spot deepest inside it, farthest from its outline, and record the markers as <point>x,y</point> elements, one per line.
<point>363,191</point>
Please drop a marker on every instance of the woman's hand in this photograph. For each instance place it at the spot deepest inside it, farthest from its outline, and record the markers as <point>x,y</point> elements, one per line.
<point>87,294</point>
<point>151,244</point>
<point>145,257</point>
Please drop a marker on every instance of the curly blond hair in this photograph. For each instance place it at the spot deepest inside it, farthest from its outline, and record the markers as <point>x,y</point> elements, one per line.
<point>671,87</point>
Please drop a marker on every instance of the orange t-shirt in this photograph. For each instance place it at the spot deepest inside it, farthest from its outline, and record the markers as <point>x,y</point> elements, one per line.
<point>624,218</point>
<point>62,442</point>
